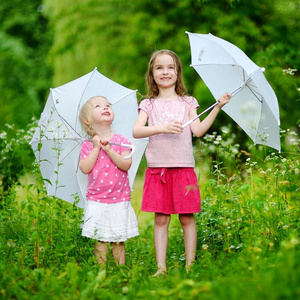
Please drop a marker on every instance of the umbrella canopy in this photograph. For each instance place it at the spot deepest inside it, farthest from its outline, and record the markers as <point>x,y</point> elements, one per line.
<point>58,137</point>
<point>225,68</point>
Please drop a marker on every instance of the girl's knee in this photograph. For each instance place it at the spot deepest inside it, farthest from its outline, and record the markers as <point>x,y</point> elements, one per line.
<point>186,219</point>
<point>162,219</point>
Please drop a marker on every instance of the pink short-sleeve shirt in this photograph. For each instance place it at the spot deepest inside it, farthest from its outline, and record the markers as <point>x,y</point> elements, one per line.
<point>170,150</point>
<point>106,182</point>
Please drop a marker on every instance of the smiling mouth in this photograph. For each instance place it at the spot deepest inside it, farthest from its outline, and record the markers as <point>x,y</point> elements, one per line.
<point>106,114</point>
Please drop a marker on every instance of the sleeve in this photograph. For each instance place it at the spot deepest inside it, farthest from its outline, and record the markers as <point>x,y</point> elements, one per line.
<point>193,103</point>
<point>144,105</point>
<point>85,149</point>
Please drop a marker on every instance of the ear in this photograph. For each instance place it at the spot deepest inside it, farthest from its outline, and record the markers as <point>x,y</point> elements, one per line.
<point>86,122</point>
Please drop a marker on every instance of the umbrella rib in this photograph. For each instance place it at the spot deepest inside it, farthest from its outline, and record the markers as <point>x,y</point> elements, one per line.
<point>67,154</point>
<point>260,100</point>
<point>124,97</point>
<point>66,122</point>
<point>200,65</point>
<point>241,73</point>
<point>71,139</point>
<point>78,106</point>
<point>240,87</point>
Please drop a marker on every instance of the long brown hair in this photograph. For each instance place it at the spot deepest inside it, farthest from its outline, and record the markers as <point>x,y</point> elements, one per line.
<point>152,88</point>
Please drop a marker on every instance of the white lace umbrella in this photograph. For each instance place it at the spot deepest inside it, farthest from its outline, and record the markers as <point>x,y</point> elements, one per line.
<point>225,68</point>
<point>58,137</point>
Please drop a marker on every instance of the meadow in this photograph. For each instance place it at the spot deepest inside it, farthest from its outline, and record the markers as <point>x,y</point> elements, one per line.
<point>248,230</point>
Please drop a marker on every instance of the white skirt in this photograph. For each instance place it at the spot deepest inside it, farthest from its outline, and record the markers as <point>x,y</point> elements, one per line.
<point>107,222</point>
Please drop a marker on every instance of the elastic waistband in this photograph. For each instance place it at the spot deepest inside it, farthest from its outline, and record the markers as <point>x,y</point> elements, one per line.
<point>163,171</point>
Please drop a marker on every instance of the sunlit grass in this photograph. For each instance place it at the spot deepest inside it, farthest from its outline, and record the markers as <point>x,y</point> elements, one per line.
<point>248,235</point>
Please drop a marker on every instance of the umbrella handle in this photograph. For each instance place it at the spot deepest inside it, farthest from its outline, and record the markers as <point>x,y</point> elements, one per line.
<point>132,147</point>
<point>198,116</point>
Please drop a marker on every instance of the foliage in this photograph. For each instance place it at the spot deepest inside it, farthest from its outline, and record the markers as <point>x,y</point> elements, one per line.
<point>118,37</point>
<point>248,235</point>
<point>24,74</point>
<point>73,37</point>
<point>15,157</point>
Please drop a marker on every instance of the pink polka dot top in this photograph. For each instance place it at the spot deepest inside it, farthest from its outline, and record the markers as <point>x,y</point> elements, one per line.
<point>106,182</point>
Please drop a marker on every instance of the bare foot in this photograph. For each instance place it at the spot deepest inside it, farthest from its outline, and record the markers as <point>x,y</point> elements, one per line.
<point>159,272</point>
<point>189,267</point>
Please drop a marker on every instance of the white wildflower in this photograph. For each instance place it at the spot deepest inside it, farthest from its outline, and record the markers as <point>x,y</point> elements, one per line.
<point>204,247</point>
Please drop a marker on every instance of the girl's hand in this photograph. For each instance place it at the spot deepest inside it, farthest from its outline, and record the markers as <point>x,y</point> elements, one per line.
<point>105,145</point>
<point>96,141</point>
<point>224,100</point>
<point>174,127</point>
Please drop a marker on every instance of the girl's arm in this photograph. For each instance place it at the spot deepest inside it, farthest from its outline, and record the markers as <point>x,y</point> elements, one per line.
<point>200,128</point>
<point>140,130</point>
<point>86,165</point>
<point>118,159</point>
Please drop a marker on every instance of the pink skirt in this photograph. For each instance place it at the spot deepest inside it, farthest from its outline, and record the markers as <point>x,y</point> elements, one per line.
<point>171,191</point>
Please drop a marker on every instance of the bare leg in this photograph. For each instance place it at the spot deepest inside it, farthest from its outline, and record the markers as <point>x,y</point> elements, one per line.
<point>118,250</point>
<point>190,237</point>
<point>161,241</point>
<point>101,250</point>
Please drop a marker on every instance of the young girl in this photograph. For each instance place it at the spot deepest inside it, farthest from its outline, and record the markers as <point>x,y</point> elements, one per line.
<point>171,185</point>
<point>109,216</point>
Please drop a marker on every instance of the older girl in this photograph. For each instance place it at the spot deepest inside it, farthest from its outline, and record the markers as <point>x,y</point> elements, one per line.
<point>171,185</point>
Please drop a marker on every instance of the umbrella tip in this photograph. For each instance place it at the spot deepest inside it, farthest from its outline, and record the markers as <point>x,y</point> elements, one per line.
<point>263,69</point>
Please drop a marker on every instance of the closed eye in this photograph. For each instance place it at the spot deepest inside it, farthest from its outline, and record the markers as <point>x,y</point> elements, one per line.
<point>103,105</point>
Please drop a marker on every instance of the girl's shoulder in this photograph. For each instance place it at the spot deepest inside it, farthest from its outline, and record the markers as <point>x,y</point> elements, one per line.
<point>86,143</point>
<point>188,98</point>
<point>120,139</point>
<point>146,105</point>
<point>191,101</point>
<point>86,146</point>
<point>146,101</point>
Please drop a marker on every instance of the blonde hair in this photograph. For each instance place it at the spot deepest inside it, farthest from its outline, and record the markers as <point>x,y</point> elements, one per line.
<point>85,117</point>
<point>152,88</point>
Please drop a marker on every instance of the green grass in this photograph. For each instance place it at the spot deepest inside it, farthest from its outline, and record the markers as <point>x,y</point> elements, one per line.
<point>248,236</point>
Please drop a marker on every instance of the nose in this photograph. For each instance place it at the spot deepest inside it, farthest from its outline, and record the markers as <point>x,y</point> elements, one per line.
<point>165,71</point>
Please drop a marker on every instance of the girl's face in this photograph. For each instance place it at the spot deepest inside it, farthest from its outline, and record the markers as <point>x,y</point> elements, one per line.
<point>101,111</point>
<point>164,71</point>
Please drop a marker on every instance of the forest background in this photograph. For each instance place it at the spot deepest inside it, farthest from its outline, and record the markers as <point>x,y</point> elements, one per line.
<point>248,243</point>
<point>45,44</point>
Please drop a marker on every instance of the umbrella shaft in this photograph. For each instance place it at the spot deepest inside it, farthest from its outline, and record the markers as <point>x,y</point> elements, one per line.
<point>191,121</point>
